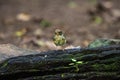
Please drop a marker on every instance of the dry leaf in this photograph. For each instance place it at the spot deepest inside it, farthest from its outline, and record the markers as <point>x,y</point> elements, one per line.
<point>20,33</point>
<point>23,17</point>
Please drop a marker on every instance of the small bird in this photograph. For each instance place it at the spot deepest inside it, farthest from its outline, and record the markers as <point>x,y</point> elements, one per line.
<point>59,38</point>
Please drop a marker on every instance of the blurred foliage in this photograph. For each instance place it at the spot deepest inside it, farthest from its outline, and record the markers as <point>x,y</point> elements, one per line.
<point>21,32</point>
<point>45,23</point>
<point>72,4</point>
<point>103,42</point>
<point>93,1</point>
<point>98,19</point>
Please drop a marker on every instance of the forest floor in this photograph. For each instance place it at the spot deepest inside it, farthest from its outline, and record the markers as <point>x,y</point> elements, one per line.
<point>32,24</point>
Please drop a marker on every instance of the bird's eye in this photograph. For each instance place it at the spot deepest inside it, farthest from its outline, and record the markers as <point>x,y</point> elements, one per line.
<point>60,33</point>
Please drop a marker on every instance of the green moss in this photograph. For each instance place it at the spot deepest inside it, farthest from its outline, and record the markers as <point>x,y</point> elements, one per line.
<point>106,67</point>
<point>33,70</point>
<point>4,64</point>
<point>103,42</point>
<point>107,61</point>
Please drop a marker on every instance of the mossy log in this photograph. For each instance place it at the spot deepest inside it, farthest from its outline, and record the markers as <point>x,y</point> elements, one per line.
<point>102,63</point>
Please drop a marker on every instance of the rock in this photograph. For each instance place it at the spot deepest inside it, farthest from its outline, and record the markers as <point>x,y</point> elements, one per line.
<point>9,50</point>
<point>104,42</point>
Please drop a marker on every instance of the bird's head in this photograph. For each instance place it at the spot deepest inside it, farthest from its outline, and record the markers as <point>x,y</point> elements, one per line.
<point>58,32</point>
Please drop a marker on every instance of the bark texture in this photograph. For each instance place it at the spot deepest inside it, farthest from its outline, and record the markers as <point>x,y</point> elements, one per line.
<point>102,63</point>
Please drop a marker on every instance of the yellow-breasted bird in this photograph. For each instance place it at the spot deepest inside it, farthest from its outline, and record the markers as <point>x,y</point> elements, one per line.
<point>59,38</point>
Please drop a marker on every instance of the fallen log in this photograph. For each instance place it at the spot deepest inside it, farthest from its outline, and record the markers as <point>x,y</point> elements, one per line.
<point>101,63</point>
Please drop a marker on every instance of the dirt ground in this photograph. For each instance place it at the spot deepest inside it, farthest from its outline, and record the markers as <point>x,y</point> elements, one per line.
<point>31,23</point>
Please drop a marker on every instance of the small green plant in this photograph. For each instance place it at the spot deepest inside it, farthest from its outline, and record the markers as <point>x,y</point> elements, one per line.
<point>76,64</point>
<point>45,23</point>
<point>98,19</point>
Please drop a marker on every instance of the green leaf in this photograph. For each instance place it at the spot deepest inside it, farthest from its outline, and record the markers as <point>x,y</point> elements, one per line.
<point>74,60</point>
<point>79,62</point>
<point>72,64</point>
